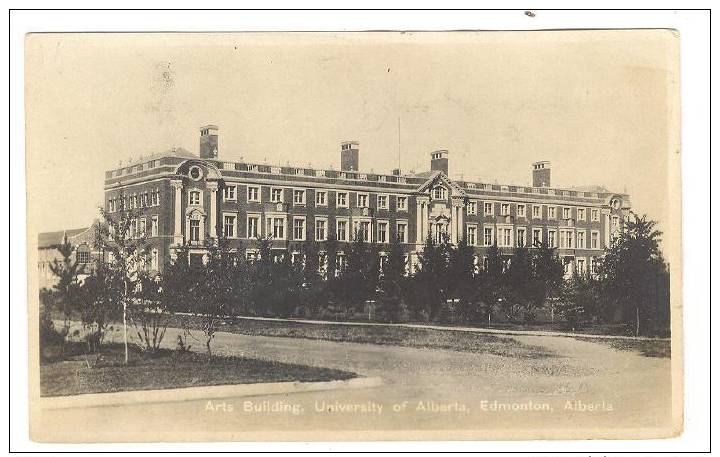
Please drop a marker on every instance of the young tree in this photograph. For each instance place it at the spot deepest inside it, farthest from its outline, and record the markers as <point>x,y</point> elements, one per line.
<point>391,283</point>
<point>519,302</point>
<point>360,277</point>
<point>100,301</point>
<point>463,281</point>
<point>492,282</point>
<point>632,270</point>
<point>149,316</point>
<point>66,269</point>
<point>433,274</point>
<point>122,240</point>
<point>547,276</point>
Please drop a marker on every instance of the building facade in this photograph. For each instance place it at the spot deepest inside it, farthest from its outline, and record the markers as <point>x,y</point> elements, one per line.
<point>82,241</point>
<point>188,199</point>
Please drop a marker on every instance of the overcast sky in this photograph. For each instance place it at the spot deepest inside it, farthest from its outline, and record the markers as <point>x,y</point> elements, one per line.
<point>596,104</point>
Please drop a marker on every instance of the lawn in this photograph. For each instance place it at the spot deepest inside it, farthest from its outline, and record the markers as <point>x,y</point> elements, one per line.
<point>384,335</point>
<point>647,348</point>
<point>81,373</point>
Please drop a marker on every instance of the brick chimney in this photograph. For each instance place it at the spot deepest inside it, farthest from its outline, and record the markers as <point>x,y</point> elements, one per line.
<point>349,156</point>
<point>541,174</point>
<point>439,161</point>
<point>209,142</point>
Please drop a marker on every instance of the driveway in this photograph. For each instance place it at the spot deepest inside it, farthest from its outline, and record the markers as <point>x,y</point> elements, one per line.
<point>585,387</point>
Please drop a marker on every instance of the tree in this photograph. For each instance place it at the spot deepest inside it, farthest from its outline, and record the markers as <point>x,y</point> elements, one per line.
<point>520,282</point>
<point>463,280</point>
<point>547,276</point>
<point>433,274</point>
<point>492,282</point>
<point>578,300</point>
<point>149,315</point>
<point>66,269</point>
<point>213,292</point>
<point>635,276</point>
<point>100,301</point>
<point>360,276</point>
<point>120,238</point>
<point>391,283</point>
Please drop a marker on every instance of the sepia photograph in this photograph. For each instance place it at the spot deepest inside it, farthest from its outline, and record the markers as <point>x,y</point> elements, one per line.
<point>354,236</point>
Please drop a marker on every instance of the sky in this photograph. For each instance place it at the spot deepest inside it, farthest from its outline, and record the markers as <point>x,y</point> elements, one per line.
<point>600,105</point>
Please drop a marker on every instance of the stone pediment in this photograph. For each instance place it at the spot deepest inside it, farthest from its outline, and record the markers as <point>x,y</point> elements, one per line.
<point>441,178</point>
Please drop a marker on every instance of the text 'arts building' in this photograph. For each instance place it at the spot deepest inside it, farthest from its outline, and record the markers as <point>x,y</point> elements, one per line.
<point>192,200</point>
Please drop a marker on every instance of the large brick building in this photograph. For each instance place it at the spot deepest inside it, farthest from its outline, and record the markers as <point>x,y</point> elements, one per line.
<point>187,198</point>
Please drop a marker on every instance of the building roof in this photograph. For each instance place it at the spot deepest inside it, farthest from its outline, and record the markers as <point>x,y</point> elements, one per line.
<point>50,239</point>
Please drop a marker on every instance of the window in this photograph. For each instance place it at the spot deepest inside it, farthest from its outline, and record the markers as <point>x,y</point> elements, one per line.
<point>276,195</point>
<point>505,237</point>
<point>552,212</point>
<point>505,209</point>
<point>581,214</point>
<point>439,193</point>
<point>537,212</point>
<point>276,227</point>
<point>615,222</point>
<point>229,223</point>
<point>362,200</point>
<point>142,227</point>
<point>362,229</point>
<point>340,263</point>
<point>320,198</point>
<point>580,266</point>
<point>133,201</point>
<point>299,228</point>
<point>83,256</point>
<point>551,239</point>
<point>230,193</point>
<point>566,213</point>
<point>488,208</point>
<point>133,228</point>
<point>471,208</point>
<point>566,239</point>
<point>594,240</point>
<point>537,237</point>
<point>488,236</point>
<point>194,230</point>
<point>402,203</point>
<point>593,265</point>
<point>320,229</point>
<point>253,194</point>
<point>581,239</point>
<point>298,196</point>
<point>471,235</point>
<point>382,202</point>
<point>156,198</point>
<point>111,205</point>
<point>594,215</point>
<point>402,232</point>
<point>154,259</point>
<point>520,210</point>
<point>253,225</point>
<point>382,233</point>
<point>342,199</point>
<point>521,237</point>
<point>194,198</point>
<point>341,232</point>
<point>154,226</point>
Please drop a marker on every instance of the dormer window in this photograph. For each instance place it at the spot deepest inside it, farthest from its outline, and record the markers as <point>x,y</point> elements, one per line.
<point>439,193</point>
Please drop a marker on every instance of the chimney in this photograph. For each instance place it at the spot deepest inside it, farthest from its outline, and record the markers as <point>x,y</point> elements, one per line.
<point>541,174</point>
<point>209,142</point>
<point>396,172</point>
<point>439,161</point>
<point>349,156</point>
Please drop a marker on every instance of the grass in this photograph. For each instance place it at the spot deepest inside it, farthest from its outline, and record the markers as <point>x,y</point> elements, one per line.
<point>82,374</point>
<point>647,348</point>
<point>396,336</point>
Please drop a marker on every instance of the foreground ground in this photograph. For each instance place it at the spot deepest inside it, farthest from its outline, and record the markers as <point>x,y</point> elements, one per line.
<point>565,386</point>
<point>106,372</point>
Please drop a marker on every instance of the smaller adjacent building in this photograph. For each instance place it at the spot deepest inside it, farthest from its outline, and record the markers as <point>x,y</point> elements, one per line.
<point>81,239</point>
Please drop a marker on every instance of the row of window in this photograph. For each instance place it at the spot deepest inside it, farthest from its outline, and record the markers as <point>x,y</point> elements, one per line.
<point>342,198</point>
<point>275,227</point>
<point>138,227</point>
<point>411,263</point>
<point>521,211</point>
<point>133,201</point>
<point>503,236</point>
<point>555,238</point>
